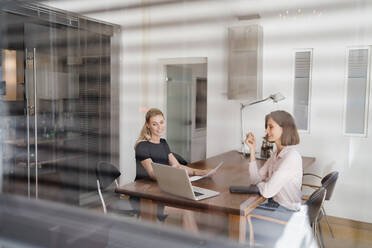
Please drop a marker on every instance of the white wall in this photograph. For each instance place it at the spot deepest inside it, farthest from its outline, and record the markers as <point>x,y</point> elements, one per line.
<point>174,41</point>
<point>329,33</point>
<point>199,29</point>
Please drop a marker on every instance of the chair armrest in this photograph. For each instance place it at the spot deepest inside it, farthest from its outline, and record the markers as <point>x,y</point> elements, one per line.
<point>311,174</point>
<point>311,185</point>
<point>305,197</point>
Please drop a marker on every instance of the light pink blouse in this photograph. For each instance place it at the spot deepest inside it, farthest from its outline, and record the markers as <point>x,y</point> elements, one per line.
<point>280,177</point>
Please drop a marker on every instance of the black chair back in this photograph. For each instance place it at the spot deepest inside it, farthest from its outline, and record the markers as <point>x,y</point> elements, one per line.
<point>106,174</point>
<point>315,203</point>
<point>180,159</point>
<point>329,183</point>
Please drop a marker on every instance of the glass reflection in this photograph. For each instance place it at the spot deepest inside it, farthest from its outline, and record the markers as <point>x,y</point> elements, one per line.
<point>56,104</point>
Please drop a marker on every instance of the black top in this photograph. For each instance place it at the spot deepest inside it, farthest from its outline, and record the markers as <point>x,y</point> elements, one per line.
<point>157,152</point>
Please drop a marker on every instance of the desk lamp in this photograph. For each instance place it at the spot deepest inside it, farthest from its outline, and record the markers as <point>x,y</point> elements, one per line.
<point>274,97</point>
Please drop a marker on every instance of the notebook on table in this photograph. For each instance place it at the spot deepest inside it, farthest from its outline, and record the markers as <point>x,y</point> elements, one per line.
<point>176,181</point>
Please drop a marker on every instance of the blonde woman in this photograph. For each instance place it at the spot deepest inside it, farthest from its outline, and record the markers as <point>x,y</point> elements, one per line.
<point>150,147</point>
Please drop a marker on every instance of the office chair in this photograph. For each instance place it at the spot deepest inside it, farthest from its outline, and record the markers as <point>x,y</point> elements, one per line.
<point>106,174</point>
<point>328,182</point>
<point>180,159</point>
<point>315,204</point>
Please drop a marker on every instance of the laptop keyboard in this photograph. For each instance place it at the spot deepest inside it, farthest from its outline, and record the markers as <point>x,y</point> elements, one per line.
<point>197,194</point>
<point>203,193</point>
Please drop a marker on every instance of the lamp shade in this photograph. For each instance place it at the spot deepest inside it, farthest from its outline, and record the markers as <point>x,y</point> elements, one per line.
<point>277,97</point>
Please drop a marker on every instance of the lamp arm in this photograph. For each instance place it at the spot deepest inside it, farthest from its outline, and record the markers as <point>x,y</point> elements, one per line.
<point>242,106</point>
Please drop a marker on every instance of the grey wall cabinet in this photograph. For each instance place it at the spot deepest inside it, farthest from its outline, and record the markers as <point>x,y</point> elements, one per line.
<point>245,62</point>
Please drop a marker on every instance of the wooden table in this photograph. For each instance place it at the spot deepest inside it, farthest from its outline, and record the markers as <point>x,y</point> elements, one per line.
<point>234,171</point>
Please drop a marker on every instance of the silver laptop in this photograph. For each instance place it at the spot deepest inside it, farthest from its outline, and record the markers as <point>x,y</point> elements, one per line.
<point>175,181</point>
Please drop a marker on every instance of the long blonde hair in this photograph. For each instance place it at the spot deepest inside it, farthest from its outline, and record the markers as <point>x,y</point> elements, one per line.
<point>145,134</point>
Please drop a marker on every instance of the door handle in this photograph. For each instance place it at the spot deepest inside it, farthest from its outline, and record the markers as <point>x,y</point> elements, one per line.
<point>34,110</point>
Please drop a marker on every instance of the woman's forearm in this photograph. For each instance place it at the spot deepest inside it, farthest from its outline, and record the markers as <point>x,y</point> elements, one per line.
<point>190,171</point>
<point>253,155</point>
<point>254,174</point>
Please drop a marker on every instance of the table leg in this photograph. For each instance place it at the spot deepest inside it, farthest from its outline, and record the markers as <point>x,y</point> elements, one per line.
<point>237,227</point>
<point>148,210</point>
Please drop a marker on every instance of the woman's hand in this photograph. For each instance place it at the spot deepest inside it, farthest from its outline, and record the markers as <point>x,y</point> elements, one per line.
<point>251,142</point>
<point>175,165</point>
<point>202,172</point>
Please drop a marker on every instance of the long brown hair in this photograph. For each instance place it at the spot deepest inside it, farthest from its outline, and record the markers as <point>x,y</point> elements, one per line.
<point>286,122</point>
<point>145,134</point>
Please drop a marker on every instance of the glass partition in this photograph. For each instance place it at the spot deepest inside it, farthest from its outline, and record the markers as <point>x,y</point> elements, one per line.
<point>56,104</point>
<point>186,106</point>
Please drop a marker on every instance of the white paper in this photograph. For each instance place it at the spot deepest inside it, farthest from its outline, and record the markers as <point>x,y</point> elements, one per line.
<point>195,178</point>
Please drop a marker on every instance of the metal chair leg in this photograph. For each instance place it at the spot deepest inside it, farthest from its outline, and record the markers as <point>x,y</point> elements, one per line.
<point>316,234</point>
<point>329,226</point>
<point>101,197</point>
<point>320,235</point>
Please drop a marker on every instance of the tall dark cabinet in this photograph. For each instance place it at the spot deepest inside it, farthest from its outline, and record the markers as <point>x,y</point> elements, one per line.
<point>58,90</point>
